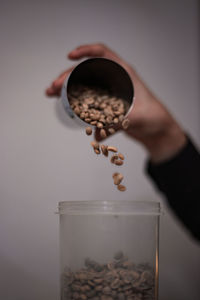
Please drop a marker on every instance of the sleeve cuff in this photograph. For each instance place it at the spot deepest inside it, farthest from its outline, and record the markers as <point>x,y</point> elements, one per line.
<point>177,171</point>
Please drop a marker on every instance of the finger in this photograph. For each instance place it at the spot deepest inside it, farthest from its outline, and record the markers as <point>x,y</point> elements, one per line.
<point>91,50</point>
<point>55,88</point>
<point>58,82</point>
<point>50,92</point>
<point>53,91</point>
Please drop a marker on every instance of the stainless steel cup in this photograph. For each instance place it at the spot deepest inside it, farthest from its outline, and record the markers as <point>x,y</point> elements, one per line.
<point>102,73</point>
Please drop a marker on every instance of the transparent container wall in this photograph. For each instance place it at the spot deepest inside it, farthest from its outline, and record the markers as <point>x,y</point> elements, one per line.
<point>109,251</point>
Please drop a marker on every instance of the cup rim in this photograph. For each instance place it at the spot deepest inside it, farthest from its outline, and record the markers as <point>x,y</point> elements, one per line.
<point>64,90</point>
<point>109,207</point>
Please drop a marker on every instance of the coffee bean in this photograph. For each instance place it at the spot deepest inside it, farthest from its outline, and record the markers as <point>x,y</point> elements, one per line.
<point>103,133</point>
<point>98,280</point>
<point>108,111</point>
<point>97,151</point>
<point>99,125</point>
<point>98,288</point>
<point>96,104</point>
<point>103,105</point>
<point>118,179</point>
<point>127,264</point>
<point>95,144</point>
<point>89,101</point>
<point>87,120</point>
<point>121,296</point>
<point>102,120</point>
<point>116,120</point>
<point>117,113</point>
<point>115,284</point>
<point>113,159</point>
<point>109,120</point>
<point>118,162</point>
<point>121,188</point>
<point>77,110</point>
<point>111,265</point>
<point>118,255</point>
<point>93,122</point>
<point>115,174</point>
<point>104,150</point>
<point>85,106</point>
<point>94,117</point>
<point>121,156</point>
<point>82,115</point>
<point>112,149</point>
<point>106,290</point>
<point>88,130</point>
<point>111,130</point>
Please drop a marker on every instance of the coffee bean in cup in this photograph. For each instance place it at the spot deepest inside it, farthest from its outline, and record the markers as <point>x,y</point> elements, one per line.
<point>98,106</point>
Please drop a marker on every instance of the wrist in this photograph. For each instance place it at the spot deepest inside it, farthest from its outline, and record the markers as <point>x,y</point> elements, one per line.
<point>166,144</point>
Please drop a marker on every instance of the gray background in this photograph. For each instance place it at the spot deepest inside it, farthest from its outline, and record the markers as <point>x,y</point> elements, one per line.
<point>43,160</point>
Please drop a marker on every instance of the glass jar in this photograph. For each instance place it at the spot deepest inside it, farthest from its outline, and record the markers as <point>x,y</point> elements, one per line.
<point>109,250</point>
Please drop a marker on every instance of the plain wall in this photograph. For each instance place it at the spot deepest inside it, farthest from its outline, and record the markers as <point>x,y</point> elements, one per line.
<point>44,159</point>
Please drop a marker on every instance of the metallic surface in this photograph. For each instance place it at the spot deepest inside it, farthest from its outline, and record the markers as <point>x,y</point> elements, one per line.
<point>99,72</point>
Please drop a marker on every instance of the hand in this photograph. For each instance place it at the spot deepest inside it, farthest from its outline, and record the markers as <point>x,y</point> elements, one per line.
<point>150,122</point>
<point>94,50</point>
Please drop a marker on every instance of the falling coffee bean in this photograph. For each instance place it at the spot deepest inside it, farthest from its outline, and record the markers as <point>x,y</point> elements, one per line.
<point>99,108</point>
<point>88,130</point>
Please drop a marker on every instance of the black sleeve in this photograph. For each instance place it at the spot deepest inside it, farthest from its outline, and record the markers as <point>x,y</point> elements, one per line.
<point>179,180</point>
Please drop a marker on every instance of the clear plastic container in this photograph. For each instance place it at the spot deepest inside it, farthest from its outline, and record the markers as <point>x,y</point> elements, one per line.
<point>109,250</point>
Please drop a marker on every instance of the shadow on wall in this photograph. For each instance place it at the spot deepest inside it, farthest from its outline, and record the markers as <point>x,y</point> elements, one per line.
<point>15,280</point>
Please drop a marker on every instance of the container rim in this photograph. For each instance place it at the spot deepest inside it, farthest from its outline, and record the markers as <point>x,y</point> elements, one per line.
<point>65,87</point>
<point>109,207</point>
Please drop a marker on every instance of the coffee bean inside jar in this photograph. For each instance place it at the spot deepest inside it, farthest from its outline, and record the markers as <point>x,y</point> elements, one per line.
<point>119,279</point>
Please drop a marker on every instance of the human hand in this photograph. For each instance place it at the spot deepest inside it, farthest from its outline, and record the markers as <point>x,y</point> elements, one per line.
<point>150,122</point>
<point>93,50</point>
